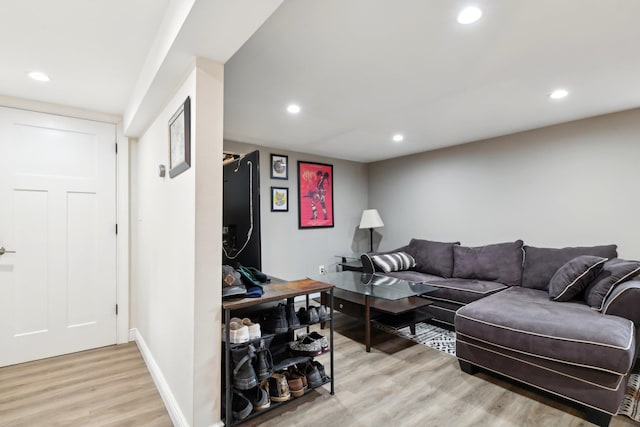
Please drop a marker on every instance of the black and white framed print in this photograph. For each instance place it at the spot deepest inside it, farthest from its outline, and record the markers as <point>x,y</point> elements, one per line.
<point>279,166</point>
<point>279,199</point>
<point>180,140</point>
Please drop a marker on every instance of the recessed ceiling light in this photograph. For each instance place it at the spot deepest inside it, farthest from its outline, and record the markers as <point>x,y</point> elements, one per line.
<point>398,137</point>
<point>558,94</point>
<point>37,75</point>
<point>469,15</point>
<point>293,108</point>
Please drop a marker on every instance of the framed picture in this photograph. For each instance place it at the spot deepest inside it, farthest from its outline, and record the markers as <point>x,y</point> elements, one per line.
<point>279,199</point>
<point>315,195</point>
<point>180,140</point>
<point>279,166</point>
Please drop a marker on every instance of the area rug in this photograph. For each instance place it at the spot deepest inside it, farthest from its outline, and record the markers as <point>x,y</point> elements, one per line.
<point>445,340</point>
<point>426,334</point>
<point>630,405</point>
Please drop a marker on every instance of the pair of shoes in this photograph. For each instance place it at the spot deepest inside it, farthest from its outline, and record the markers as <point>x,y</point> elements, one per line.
<point>245,357</point>
<point>312,373</point>
<point>243,330</point>
<point>259,396</point>
<point>312,344</point>
<point>308,316</point>
<point>295,381</point>
<point>279,388</point>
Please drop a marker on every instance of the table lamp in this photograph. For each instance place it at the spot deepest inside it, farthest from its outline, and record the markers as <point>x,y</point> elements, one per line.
<point>371,219</point>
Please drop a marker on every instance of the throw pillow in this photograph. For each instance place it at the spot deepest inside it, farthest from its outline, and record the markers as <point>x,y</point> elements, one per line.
<point>432,257</point>
<point>540,264</point>
<point>396,261</point>
<point>613,273</point>
<point>574,276</point>
<point>501,262</point>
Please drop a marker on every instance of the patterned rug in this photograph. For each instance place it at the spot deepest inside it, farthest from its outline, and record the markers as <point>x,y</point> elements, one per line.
<point>630,405</point>
<point>426,334</point>
<point>445,340</point>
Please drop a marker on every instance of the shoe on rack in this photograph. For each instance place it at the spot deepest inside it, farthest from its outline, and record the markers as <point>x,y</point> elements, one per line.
<point>292,319</point>
<point>320,367</point>
<point>278,388</point>
<point>306,346</point>
<point>322,313</point>
<point>238,333</point>
<point>240,406</point>
<point>244,376</point>
<point>313,313</point>
<point>303,315</point>
<point>264,361</point>
<point>313,375</point>
<point>277,322</point>
<point>295,371</point>
<point>259,396</point>
<point>254,328</point>
<point>296,387</point>
<point>324,342</point>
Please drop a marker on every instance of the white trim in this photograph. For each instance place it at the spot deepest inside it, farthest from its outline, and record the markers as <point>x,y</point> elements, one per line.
<point>620,377</point>
<point>177,417</point>
<point>122,238</point>
<point>631,334</point>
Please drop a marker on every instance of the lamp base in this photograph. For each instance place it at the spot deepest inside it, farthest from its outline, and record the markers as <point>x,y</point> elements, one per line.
<point>371,239</point>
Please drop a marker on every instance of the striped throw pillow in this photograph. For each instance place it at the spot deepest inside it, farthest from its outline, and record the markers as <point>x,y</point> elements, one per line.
<point>396,261</point>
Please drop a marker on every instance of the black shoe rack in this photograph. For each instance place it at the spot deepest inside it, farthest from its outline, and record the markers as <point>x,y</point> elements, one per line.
<point>255,308</point>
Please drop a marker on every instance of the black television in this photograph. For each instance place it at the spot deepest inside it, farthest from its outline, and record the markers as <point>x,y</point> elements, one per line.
<point>241,212</point>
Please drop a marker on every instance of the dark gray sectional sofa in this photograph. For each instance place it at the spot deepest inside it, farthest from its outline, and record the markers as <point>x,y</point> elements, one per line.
<point>577,340</point>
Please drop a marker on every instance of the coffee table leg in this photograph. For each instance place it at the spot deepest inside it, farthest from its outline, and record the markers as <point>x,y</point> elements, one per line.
<point>412,328</point>
<point>367,323</point>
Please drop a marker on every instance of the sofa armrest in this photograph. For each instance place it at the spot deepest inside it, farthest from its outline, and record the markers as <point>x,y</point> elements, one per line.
<point>624,301</point>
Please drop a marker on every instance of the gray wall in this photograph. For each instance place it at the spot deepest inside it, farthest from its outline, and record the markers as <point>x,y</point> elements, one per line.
<point>290,253</point>
<point>570,184</point>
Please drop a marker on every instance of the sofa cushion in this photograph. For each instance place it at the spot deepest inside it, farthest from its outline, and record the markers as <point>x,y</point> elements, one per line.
<point>527,321</point>
<point>462,291</point>
<point>613,273</point>
<point>574,276</point>
<point>396,261</point>
<point>501,262</point>
<point>432,257</point>
<point>540,264</point>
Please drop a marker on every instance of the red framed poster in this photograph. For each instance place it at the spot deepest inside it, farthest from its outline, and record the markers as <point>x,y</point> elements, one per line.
<point>315,195</point>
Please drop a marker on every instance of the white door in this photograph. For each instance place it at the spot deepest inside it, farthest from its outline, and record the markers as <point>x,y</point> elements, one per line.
<point>58,213</point>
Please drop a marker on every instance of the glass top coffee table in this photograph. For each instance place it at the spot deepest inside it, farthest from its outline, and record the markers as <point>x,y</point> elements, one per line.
<point>377,298</point>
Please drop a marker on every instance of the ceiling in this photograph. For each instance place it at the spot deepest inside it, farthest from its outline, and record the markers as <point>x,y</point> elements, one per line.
<point>92,50</point>
<point>361,70</point>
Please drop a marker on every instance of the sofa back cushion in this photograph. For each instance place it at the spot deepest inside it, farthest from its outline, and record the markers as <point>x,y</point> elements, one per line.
<point>432,257</point>
<point>500,262</point>
<point>540,264</point>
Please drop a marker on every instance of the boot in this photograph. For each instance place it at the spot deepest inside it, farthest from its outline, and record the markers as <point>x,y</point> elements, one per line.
<point>264,362</point>
<point>292,318</point>
<point>244,376</point>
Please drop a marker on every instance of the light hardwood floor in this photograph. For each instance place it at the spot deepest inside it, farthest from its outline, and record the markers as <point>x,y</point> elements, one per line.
<point>398,384</point>
<point>109,386</point>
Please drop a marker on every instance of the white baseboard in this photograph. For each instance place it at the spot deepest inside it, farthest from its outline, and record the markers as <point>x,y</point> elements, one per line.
<point>177,417</point>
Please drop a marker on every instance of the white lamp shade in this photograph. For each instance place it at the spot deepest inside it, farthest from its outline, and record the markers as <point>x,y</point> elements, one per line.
<point>371,219</point>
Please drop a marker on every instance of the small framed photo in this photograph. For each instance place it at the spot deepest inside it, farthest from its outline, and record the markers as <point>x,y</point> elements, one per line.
<point>180,140</point>
<point>279,166</point>
<point>279,199</point>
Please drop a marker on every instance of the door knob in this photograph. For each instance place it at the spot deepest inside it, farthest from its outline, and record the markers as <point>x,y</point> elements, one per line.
<point>4,251</point>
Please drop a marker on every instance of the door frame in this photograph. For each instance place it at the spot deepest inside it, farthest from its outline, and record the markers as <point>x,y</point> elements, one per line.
<point>122,196</point>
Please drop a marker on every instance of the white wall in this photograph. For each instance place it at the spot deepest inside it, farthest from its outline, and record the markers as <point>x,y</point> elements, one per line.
<point>290,253</point>
<point>565,185</point>
<point>175,247</point>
